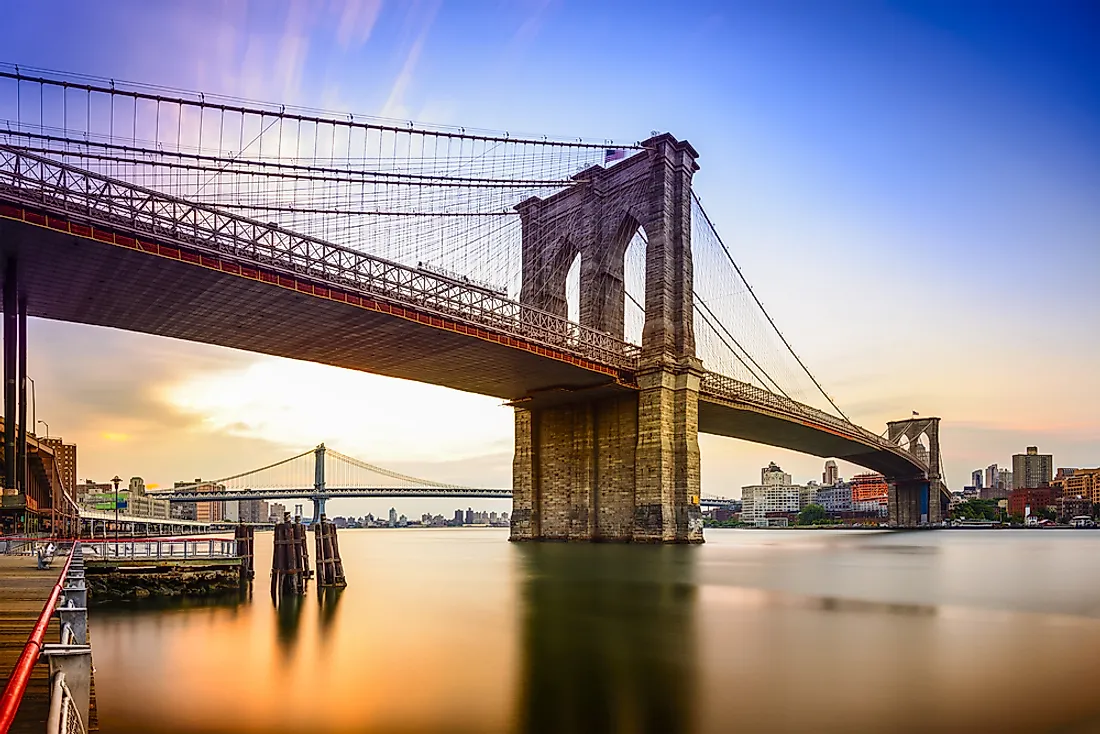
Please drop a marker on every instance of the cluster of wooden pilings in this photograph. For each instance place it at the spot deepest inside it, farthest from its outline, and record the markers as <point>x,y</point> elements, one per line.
<point>245,537</point>
<point>290,562</point>
<point>330,569</point>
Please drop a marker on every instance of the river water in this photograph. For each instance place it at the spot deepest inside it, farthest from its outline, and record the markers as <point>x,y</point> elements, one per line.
<point>458,630</point>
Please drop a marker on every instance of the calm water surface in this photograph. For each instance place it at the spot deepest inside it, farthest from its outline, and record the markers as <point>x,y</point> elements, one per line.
<point>461,631</point>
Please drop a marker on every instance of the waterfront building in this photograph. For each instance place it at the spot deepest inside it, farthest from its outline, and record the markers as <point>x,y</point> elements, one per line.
<point>1005,480</point>
<point>469,520</point>
<point>1031,469</point>
<point>831,475</point>
<point>1083,483</point>
<point>870,493</point>
<point>992,475</point>
<point>774,500</point>
<point>231,511</point>
<point>1029,500</point>
<point>976,478</point>
<point>393,517</point>
<point>64,455</point>
<point>458,517</point>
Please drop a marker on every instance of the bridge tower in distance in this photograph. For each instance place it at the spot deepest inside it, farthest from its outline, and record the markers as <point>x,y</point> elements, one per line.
<point>917,500</point>
<point>610,463</point>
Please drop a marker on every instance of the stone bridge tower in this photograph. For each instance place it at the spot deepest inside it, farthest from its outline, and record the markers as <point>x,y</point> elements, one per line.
<point>615,465</point>
<point>917,500</point>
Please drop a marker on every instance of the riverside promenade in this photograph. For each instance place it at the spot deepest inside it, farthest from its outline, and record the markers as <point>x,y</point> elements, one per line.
<point>24,592</point>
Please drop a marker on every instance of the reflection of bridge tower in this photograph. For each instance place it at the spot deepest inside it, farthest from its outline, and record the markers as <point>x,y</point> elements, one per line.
<point>608,640</point>
<point>917,500</point>
<point>609,465</point>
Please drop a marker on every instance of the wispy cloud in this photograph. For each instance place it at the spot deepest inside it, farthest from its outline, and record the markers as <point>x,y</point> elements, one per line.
<point>395,106</point>
<point>356,22</point>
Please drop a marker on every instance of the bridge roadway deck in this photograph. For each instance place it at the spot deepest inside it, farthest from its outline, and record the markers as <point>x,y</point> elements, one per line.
<point>83,280</point>
<point>23,591</point>
<point>104,277</point>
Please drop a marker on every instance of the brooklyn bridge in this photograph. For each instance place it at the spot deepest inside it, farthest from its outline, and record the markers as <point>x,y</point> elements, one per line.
<point>582,282</point>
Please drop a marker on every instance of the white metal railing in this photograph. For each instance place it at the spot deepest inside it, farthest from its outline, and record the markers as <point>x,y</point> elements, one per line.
<point>52,186</point>
<point>153,549</point>
<point>64,716</point>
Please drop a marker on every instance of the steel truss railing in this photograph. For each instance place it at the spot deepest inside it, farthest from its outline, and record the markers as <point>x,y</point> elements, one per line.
<point>52,186</point>
<point>727,388</point>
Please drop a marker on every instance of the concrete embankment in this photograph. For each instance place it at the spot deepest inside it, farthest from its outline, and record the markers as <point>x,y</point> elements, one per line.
<point>116,583</point>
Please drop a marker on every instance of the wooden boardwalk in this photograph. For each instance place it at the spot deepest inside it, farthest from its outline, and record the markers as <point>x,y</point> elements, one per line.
<point>23,591</point>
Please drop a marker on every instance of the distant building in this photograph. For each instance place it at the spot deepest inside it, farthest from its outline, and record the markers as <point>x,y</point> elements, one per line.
<point>205,511</point>
<point>993,493</point>
<point>835,498</point>
<point>1032,469</point>
<point>458,517</point>
<point>182,511</point>
<point>142,504</point>
<point>1073,506</point>
<point>870,493</point>
<point>469,516</point>
<point>1030,500</point>
<point>773,476</point>
<point>774,501</point>
<point>393,518</point>
<point>231,511</point>
<point>64,455</point>
<point>1083,483</point>
<point>831,475</point>
<point>278,510</point>
<point>976,478</point>
<point>1005,480</point>
<point>992,476</point>
<point>254,511</point>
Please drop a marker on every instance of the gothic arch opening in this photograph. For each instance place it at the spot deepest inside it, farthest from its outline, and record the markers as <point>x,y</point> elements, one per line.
<point>627,252</point>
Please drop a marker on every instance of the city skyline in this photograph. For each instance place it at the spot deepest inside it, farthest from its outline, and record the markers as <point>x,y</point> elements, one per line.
<point>987,156</point>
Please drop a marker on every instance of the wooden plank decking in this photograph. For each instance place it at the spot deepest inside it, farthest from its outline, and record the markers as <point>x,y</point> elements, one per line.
<point>23,591</point>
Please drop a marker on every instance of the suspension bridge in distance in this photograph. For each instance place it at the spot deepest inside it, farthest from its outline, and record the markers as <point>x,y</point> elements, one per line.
<point>582,282</point>
<point>322,474</point>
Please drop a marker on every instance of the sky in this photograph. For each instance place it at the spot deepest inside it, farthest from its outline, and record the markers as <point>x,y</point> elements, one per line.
<point>912,189</point>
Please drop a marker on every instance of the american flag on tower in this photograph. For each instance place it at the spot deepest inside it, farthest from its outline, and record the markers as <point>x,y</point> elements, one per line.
<point>613,154</point>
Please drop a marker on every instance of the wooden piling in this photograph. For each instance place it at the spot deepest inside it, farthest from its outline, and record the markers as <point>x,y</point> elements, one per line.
<point>330,570</point>
<point>290,561</point>
<point>245,537</point>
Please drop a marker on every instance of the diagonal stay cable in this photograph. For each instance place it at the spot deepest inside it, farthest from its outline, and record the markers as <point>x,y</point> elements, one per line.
<point>766,314</point>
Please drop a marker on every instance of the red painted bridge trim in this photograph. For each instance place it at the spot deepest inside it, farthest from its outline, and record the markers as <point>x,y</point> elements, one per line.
<point>111,237</point>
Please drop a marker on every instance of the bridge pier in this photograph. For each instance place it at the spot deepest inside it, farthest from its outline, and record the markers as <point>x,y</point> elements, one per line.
<point>620,469</point>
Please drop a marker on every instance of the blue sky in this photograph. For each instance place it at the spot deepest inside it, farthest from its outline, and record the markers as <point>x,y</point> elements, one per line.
<point>913,189</point>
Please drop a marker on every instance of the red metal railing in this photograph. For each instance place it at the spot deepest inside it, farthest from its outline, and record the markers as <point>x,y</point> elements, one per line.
<point>17,681</point>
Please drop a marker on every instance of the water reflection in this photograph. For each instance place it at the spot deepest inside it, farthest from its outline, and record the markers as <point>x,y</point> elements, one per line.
<point>288,617</point>
<point>608,639</point>
<point>328,599</point>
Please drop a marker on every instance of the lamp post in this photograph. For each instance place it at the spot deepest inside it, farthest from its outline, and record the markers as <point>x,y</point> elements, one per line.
<point>116,480</point>
<point>47,425</point>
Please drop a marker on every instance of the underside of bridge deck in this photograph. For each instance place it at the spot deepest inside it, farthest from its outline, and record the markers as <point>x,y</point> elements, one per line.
<point>82,280</point>
<point>722,418</point>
